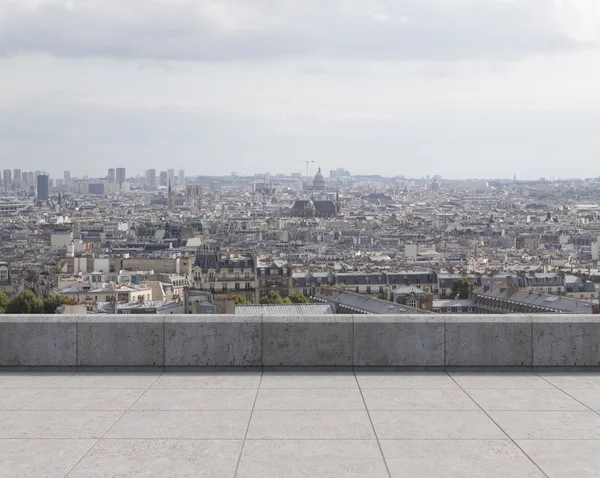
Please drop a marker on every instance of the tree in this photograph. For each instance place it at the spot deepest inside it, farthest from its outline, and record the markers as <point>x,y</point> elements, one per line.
<point>25,303</point>
<point>3,302</point>
<point>461,288</point>
<point>239,300</point>
<point>54,302</point>
<point>272,298</point>
<point>298,298</point>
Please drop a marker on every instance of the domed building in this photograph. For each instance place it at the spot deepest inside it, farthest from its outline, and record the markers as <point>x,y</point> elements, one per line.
<point>319,181</point>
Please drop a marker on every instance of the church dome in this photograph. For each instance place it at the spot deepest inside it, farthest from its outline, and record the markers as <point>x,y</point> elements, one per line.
<point>319,181</point>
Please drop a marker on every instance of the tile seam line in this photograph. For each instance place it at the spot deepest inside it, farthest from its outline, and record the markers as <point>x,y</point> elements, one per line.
<point>110,428</point>
<point>239,460</point>
<point>387,468</point>
<point>502,429</point>
<point>570,396</point>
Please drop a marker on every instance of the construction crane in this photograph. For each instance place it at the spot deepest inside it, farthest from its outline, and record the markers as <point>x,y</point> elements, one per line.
<point>307,163</point>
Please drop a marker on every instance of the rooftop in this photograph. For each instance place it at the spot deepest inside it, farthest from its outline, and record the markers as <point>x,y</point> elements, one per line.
<point>335,424</point>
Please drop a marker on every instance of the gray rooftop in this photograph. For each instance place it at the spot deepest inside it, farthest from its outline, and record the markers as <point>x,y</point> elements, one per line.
<point>284,309</point>
<point>292,424</point>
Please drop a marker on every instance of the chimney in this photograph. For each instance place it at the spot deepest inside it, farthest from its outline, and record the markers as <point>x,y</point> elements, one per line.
<point>428,305</point>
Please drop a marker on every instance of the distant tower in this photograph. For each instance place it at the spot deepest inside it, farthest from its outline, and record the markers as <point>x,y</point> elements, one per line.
<point>170,203</point>
<point>121,175</point>
<point>515,179</point>
<point>181,178</point>
<point>42,187</point>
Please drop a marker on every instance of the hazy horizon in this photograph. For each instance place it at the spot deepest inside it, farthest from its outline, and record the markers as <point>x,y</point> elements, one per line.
<point>459,88</point>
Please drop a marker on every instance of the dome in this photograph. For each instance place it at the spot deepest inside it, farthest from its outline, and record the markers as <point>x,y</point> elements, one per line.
<point>319,181</point>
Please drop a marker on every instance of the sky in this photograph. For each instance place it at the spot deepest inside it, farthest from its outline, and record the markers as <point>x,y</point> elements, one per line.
<point>459,88</point>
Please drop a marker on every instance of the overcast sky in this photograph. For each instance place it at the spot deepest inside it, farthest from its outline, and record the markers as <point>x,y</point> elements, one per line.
<point>461,88</point>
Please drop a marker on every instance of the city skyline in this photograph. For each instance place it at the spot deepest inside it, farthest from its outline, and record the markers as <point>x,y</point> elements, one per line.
<point>463,89</point>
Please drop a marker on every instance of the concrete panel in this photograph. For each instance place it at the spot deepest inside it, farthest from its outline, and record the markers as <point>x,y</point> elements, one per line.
<point>120,341</point>
<point>212,341</point>
<point>491,341</point>
<point>566,341</point>
<point>398,341</point>
<point>308,341</point>
<point>37,341</point>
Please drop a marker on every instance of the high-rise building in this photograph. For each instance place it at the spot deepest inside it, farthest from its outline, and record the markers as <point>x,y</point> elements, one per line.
<point>171,177</point>
<point>151,178</point>
<point>31,179</point>
<point>67,175</point>
<point>111,175</point>
<point>7,177</point>
<point>17,176</point>
<point>24,178</point>
<point>121,176</point>
<point>181,178</point>
<point>162,180</point>
<point>42,187</point>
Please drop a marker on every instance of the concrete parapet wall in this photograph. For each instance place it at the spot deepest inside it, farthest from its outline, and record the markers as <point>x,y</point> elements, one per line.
<point>319,341</point>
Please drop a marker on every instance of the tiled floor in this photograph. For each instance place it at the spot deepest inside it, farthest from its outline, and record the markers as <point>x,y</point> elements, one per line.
<point>289,424</point>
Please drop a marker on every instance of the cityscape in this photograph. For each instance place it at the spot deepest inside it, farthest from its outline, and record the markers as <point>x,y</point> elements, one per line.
<point>163,242</point>
<point>299,239</point>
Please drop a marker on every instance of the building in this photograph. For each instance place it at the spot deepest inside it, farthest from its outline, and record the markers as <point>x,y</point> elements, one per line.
<point>162,178</point>
<point>17,176</point>
<point>42,187</point>
<point>181,178</point>
<point>511,300</point>
<point>121,176</point>
<point>96,188</point>
<point>112,177</point>
<point>151,178</point>
<point>6,284</point>
<point>274,276</point>
<point>314,208</point>
<point>7,175</point>
<point>171,177</point>
<point>226,276</point>
<point>319,183</point>
<point>67,176</point>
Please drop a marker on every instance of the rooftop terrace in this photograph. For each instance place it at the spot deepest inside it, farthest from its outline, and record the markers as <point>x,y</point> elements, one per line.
<point>289,424</point>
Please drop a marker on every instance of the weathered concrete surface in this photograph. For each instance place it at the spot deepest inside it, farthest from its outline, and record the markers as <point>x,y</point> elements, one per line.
<point>319,341</point>
<point>213,341</point>
<point>308,341</point>
<point>480,341</point>
<point>566,341</point>
<point>398,341</point>
<point>120,341</point>
<point>37,341</point>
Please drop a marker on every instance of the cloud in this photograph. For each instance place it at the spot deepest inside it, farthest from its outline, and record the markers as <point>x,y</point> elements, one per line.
<point>226,30</point>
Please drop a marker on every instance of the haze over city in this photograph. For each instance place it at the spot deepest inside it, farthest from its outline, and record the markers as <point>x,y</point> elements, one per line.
<point>465,88</point>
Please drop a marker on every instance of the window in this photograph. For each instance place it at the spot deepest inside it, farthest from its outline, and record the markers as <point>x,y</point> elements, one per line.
<point>247,285</point>
<point>368,289</point>
<point>246,275</point>
<point>449,310</point>
<point>459,309</point>
<point>237,275</point>
<point>237,286</point>
<point>470,309</point>
<point>414,303</point>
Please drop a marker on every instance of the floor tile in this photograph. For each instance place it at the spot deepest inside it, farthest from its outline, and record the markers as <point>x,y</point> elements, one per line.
<point>160,458</point>
<point>290,425</point>
<point>311,458</point>
<point>418,399</point>
<point>548,425</point>
<point>457,459</point>
<point>587,396</point>
<point>228,425</point>
<point>564,458</point>
<point>15,398</point>
<point>412,425</point>
<point>52,424</point>
<point>110,380</point>
<point>85,399</point>
<point>208,380</point>
<point>27,458</point>
<point>309,380</point>
<point>524,399</point>
<point>573,380</point>
<point>309,399</point>
<point>468,380</point>
<point>410,380</point>
<point>196,399</point>
<point>31,379</point>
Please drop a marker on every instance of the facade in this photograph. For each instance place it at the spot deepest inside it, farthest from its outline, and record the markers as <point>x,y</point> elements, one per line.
<point>121,175</point>
<point>181,178</point>
<point>6,284</point>
<point>454,306</point>
<point>112,177</point>
<point>150,178</point>
<point>274,276</point>
<point>226,276</point>
<point>410,296</point>
<point>43,187</point>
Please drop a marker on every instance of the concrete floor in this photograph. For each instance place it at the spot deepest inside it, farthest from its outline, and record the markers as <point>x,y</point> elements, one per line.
<point>292,424</point>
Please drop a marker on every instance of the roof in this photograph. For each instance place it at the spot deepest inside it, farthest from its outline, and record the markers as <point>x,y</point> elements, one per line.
<point>285,309</point>
<point>367,305</point>
<point>440,303</point>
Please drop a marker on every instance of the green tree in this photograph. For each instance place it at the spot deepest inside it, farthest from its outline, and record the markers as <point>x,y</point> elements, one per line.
<point>461,288</point>
<point>240,300</point>
<point>25,303</point>
<point>286,300</point>
<point>54,302</point>
<point>298,298</point>
<point>272,298</point>
<point>3,302</point>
